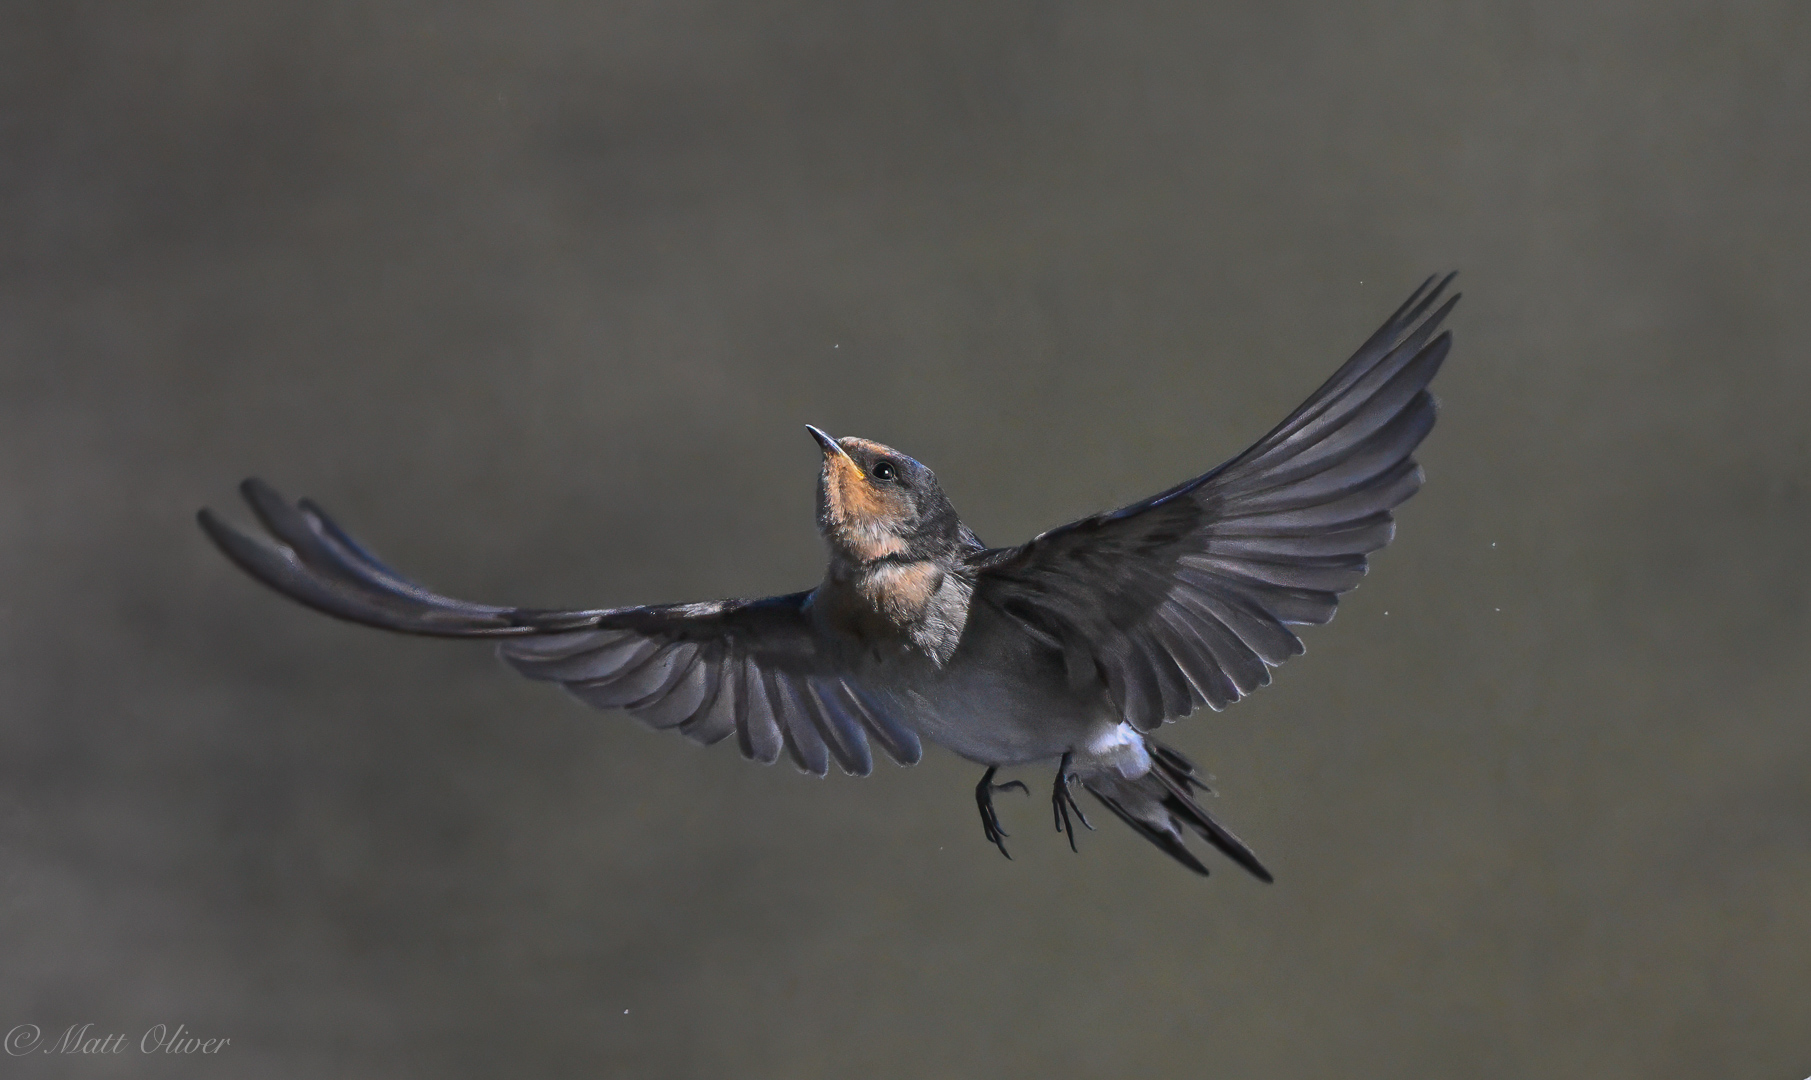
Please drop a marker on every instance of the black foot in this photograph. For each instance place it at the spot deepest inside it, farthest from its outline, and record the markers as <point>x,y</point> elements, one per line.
<point>1062,802</point>
<point>984,798</point>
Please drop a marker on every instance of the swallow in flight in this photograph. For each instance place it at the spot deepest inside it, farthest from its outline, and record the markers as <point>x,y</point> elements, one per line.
<point>1071,648</point>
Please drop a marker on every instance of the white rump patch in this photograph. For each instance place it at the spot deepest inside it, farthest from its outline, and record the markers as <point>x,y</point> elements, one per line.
<point>1122,747</point>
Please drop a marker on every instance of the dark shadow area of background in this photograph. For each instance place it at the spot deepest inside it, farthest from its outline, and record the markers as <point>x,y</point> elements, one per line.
<point>537,296</point>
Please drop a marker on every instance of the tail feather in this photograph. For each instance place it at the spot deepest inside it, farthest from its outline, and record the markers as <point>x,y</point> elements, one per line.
<point>1157,805</point>
<point>1169,840</point>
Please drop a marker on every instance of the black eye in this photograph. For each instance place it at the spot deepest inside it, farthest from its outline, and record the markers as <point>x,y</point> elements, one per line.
<point>884,472</point>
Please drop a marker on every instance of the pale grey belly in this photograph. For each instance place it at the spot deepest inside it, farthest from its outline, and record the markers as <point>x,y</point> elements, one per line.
<point>996,702</point>
<point>975,719</point>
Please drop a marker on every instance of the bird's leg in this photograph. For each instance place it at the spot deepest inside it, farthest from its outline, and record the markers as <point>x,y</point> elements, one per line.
<point>1062,801</point>
<point>984,798</point>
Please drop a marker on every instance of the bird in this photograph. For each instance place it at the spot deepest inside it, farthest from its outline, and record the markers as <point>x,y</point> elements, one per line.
<point>1074,647</point>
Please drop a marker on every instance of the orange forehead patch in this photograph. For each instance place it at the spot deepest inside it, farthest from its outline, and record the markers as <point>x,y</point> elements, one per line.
<point>852,443</point>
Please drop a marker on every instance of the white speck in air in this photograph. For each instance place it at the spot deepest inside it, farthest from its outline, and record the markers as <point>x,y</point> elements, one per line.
<point>625,1012</point>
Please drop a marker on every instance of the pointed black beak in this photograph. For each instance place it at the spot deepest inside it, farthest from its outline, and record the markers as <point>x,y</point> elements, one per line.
<point>831,446</point>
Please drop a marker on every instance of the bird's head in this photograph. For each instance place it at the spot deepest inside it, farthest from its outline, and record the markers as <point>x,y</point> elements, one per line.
<point>875,503</point>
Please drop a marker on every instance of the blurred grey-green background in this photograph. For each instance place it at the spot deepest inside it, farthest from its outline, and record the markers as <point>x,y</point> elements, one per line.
<point>536,297</point>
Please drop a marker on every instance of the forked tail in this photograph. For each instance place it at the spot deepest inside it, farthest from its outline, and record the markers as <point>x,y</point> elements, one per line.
<point>1158,804</point>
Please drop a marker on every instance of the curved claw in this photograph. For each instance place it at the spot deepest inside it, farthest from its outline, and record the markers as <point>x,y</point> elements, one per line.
<point>984,799</point>
<point>1062,801</point>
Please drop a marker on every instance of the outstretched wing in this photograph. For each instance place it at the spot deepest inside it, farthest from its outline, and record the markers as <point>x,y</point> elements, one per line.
<point>1186,598</point>
<point>752,668</point>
